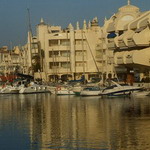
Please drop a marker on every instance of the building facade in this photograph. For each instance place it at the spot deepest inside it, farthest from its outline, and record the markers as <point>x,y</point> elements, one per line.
<point>129,39</point>
<point>69,53</point>
<point>119,48</point>
<point>11,61</point>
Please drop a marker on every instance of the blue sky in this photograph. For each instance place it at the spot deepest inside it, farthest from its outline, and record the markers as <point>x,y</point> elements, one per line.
<point>13,14</point>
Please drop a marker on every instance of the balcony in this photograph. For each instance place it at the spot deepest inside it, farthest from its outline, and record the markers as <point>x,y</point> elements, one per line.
<point>101,46</point>
<point>59,59</point>
<point>122,44</point>
<point>129,39</point>
<point>131,42</point>
<point>80,47</point>
<point>60,70</point>
<point>142,38</point>
<point>57,36</point>
<point>101,58</point>
<point>119,58</point>
<point>80,58</point>
<point>111,44</point>
<point>59,48</point>
<point>79,69</point>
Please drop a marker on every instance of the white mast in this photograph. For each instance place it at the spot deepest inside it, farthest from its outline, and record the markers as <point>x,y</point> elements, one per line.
<point>29,41</point>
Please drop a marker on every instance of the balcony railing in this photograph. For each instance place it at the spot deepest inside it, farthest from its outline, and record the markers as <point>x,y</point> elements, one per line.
<point>59,59</point>
<point>111,44</point>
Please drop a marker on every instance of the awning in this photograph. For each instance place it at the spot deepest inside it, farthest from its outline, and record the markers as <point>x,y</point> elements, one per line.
<point>111,35</point>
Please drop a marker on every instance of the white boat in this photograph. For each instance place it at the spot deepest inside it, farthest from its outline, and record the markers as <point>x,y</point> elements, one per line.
<point>34,88</point>
<point>141,93</point>
<point>90,91</point>
<point>52,89</point>
<point>8,89</point>
<point>119,90</point>
<point>61,90</point>
<point>77,90</point>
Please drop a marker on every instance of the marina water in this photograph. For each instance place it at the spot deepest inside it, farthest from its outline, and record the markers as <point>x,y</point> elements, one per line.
<point>44,121</point>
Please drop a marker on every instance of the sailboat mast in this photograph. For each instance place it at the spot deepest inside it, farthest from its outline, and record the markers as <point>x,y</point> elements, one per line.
<point>83,63</point>
<point>29,21</point>
<point>53,66</point>
<point>29,41</point>
<point>92,54</point>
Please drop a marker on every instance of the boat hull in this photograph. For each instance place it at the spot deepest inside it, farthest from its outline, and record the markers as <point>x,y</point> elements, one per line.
<point>90,93</point>
<point>65,92</point>
<point>33,90</point>
<point>119,92</point>
<point>10,90</point>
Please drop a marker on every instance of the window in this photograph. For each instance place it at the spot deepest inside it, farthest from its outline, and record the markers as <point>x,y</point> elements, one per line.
<point>54,31</point>
<point>80,41</point>
<point>34,46</point>
<point>65,53</point>
<point>53,53</point>
<point>65,65</point>
<point>65,42</point>
<point>120,32</point>
<point>53,65</point>
<point>53,42</point>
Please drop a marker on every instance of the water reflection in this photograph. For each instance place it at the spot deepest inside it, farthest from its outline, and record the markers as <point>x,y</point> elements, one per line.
<point>44,121</point>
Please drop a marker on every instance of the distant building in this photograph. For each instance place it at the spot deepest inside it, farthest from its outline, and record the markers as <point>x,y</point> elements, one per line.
<point>10,62</point>
<point>31,55</point>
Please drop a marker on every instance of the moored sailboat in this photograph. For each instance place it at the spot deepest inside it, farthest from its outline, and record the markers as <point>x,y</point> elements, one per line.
<point>64,90</point>
<point>34,88</point>
<point>91,91</point>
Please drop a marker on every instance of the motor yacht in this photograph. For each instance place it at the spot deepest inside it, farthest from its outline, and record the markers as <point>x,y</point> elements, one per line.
<point>141,93</point>
<point>119,90</point>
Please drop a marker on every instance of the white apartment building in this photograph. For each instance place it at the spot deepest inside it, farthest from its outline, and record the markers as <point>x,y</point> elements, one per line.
<point>129,38</point>
<point>120,46</point>
<point>10,62</point>
<point>72,52</point>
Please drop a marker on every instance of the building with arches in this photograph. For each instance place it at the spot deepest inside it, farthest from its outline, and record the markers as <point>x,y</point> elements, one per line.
<point>120,47</point>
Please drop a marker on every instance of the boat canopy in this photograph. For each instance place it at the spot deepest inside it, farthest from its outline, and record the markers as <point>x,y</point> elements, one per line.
<point>25,76</point>
<point>80,80</point>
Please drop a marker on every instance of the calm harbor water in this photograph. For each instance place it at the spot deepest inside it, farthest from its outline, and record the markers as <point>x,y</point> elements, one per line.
<point>44,121</point>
